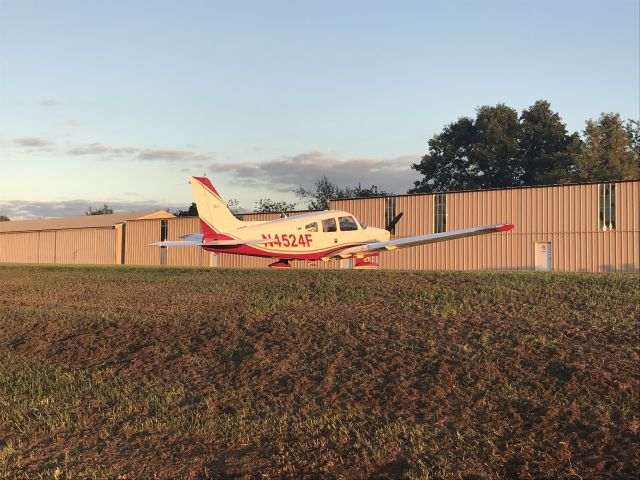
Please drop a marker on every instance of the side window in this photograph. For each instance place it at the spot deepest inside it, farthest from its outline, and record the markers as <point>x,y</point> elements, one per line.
<point>440,213</point>
<point>312,227</point>
<point>329,225</point>
<point>607,213</point>
<point>347,224</point>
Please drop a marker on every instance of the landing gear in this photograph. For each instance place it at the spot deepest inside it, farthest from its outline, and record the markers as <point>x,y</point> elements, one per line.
<point>282,263</point>
<point>364,264</point>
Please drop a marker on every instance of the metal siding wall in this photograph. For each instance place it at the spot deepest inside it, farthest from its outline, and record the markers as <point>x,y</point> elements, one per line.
<point>106,243</point>
<point>46,247</point>
<point>19,247</point>
<point>86,246</point>
<point>139,234</point>
<point>74,246</point>
<point>566,216</point>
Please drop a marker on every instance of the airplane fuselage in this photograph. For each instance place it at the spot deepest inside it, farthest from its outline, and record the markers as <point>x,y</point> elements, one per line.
<point>310,236</point>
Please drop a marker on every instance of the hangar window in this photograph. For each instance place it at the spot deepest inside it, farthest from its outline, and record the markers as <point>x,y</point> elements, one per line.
<point>164,227</point>
<point>329,225</point>
<point>347,224</point>
<point>390,212</point>
<point>440,213</point>
<point>607,211</point>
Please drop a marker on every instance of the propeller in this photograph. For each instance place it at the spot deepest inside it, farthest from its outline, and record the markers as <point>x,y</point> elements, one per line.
<point>393,222</point>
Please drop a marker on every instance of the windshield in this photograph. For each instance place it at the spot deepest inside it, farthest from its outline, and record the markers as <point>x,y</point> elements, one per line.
<point>363,225</point>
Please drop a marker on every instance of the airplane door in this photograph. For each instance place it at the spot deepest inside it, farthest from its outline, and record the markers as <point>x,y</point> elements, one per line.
<point>543,257</point>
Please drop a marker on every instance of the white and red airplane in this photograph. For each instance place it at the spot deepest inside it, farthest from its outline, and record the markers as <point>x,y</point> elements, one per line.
<point>325,235</point>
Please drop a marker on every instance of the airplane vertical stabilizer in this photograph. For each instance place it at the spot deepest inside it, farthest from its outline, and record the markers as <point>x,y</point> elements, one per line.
<point>215,216</point>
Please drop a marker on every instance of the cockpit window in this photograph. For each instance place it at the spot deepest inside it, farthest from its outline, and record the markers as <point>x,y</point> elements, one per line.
<point>329,225</point>
<point>347,224</point>
<point>312,227</point>
<point>363,225</point>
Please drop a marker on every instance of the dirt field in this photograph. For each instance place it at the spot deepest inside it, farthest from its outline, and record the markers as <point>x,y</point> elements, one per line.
<point>181,373</point>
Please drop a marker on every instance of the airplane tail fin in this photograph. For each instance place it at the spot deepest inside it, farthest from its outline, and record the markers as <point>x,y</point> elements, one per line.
<point>215,216</point>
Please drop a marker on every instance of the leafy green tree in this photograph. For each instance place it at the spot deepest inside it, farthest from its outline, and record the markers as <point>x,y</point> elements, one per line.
<point>610,150</point>
<point>473,153</point>
<point>318,199</point>
<point>192,211</point>
<point>104,210</point>
<point>496,150</point>
<point>4,218</point>
<point>546,151</point>
<point>265,205</point>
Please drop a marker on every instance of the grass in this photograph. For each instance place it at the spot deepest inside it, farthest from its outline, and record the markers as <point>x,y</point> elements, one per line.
<point>189,373</point>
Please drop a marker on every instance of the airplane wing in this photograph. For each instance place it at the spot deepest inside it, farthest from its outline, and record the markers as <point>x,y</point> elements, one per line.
<point>196,240</point>
<point>418,240</point>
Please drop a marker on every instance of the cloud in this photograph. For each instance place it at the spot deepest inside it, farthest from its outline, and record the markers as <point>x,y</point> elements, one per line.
<point>286,173</point>
<point>26,210</point>
<point>72,122</point>
<point>32,142</point>
<point>107,152</point>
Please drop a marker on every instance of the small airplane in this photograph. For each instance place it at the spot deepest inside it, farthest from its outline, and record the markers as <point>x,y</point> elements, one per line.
<point>325,235</point>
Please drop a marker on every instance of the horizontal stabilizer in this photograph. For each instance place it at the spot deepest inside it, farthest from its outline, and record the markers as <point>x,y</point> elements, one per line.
<point>212,243</point>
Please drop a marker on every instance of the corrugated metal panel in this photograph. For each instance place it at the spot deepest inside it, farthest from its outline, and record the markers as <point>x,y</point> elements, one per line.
<point>46,247</point>
<point>139,234</point>
<point>86,246</point>
<point>75,246</point>
<point>19,247</point>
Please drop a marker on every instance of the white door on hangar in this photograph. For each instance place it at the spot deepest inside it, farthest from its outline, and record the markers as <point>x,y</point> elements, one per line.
<point>543,256</point>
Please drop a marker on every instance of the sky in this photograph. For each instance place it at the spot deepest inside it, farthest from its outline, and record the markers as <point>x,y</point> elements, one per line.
<point>119,102</point>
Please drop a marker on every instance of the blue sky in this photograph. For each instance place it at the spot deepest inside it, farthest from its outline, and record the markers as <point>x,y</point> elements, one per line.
<point>119,102</point>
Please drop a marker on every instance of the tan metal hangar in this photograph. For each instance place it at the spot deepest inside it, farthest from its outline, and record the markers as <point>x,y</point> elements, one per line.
<point>574,227</point>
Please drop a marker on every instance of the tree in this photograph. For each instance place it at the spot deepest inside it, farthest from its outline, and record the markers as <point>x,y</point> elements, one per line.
<point>496,150</point>
<point>192,211</point>
<point>633,129</point>
<point>265,205</point>
<point>4,218</point>
<point>318,199</point>
<point>610,150</point>
<point>546,150</point>
<point>473,153</point>
<point>104,210</point>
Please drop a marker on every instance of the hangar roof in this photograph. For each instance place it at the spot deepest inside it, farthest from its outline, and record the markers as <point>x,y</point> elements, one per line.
<point>84,221</point>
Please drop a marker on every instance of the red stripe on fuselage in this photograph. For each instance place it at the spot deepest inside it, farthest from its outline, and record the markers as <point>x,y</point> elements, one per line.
<point>254,252</point>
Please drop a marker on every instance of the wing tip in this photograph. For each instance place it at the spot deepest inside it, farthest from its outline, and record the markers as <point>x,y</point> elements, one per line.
<point>504,228</point>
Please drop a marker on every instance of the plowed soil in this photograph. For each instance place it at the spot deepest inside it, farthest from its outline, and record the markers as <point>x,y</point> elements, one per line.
<point>139,373</point>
